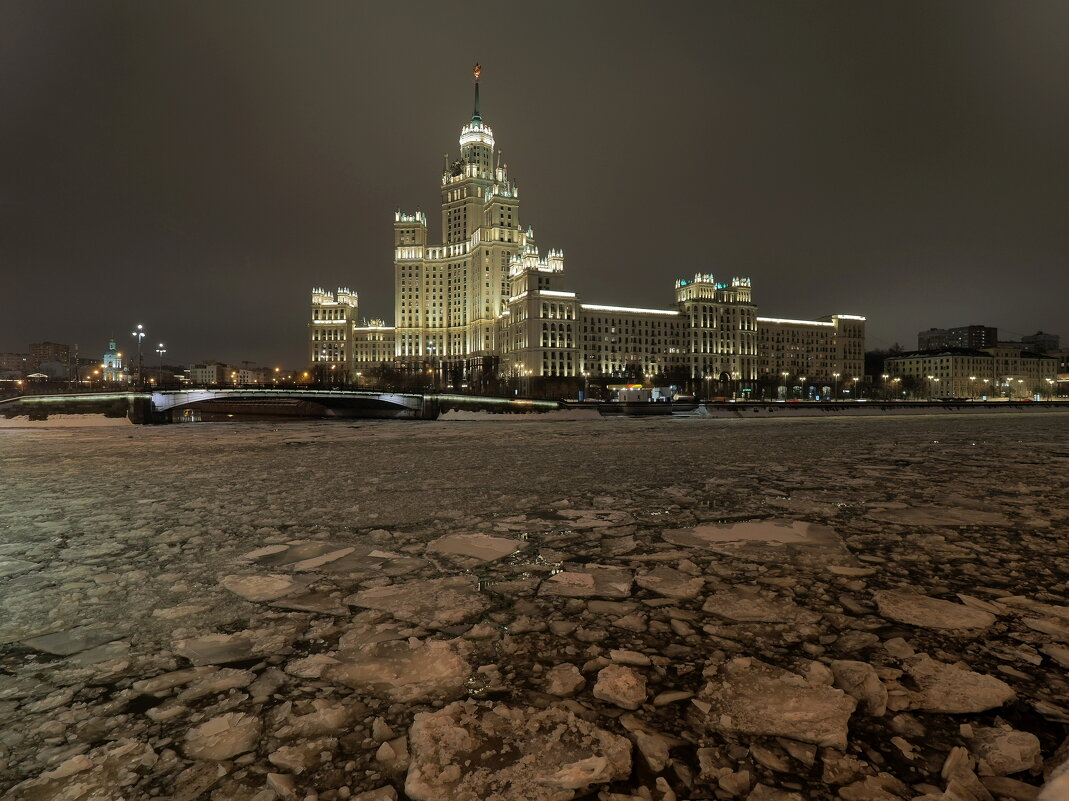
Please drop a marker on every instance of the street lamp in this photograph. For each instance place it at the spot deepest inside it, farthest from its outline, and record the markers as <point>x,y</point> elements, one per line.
<point>139,332</point>
<point>1050,388</point>
<point>885,376</point>
<point>785,374</point>
<point>972,386</point>
<point>801,389</point>
<point>835,386</point>
<point>161,350</point>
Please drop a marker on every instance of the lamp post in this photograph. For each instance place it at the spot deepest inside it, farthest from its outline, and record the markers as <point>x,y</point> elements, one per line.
<point>785,374</point>
<point>930,377</point>
<point>801,387</point>
<point>139,332</point>
<point>886,393</point>
<point>835,386</point>
<point>1050,388</point>
<point>161,350</point>
<point>972,386</point>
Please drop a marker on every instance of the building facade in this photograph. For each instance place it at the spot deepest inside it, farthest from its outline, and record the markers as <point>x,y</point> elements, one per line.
<point>972,337</point>
<point>829,352</point>
<point>14,362</point>
<point>111,364</point>
<point>44,352</point>
<point>330,330</point>
<point>209,374</point>
<point>1000,372</point>
<point>1042,342</point>
<point>487,301</point>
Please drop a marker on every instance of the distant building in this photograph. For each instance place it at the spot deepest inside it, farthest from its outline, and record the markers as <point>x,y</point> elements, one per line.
<point>42,352</point>
<point>1041,342</point>
<point>972,337</point>
<point>972,373</point>
<point>209,374</point>
<point>15,362</point>
<point>112,364</point>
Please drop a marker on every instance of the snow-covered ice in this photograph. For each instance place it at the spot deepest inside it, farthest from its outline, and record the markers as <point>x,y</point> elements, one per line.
<point>638,610</point>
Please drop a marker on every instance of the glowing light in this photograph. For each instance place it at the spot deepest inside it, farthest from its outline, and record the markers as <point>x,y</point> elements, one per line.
<point>627,310</point>
<point>777,320</point>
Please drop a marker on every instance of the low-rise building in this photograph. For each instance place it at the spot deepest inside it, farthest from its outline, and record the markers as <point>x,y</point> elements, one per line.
<point>968,373</point>
<point>210,374</point>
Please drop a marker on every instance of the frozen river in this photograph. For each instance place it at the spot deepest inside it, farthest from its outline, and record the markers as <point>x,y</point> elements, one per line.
<point>531,609</point>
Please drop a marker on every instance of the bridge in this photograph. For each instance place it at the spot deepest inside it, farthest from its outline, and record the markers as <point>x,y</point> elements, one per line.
<point>159,407</point>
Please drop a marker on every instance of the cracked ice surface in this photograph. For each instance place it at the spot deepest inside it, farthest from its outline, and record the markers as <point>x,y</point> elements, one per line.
<point>641,610</point>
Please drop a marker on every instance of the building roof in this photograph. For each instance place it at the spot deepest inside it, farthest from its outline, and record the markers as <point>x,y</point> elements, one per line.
<point>971,352</point>
<point>923,354</point>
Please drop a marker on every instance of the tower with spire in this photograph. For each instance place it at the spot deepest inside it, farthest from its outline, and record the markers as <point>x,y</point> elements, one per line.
<point>111,363</point>
<point>448,298</point>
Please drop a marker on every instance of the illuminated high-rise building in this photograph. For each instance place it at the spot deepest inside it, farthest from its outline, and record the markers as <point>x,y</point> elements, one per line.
<point>448,298</point>
<point>486,302</point>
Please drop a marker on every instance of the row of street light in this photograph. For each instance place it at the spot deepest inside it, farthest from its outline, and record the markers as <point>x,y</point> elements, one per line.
<point>139,334</point>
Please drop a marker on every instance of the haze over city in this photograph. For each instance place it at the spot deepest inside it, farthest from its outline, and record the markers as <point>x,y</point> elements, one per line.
<point>198,167</point>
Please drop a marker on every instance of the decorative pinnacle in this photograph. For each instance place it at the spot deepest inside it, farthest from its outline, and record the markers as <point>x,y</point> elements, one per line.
<point>476,71</point>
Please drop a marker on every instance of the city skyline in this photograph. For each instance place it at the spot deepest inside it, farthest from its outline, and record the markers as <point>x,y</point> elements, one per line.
<point>197,173</point>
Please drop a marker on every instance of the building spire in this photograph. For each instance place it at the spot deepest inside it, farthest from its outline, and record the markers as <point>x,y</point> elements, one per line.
<point>476,70</point>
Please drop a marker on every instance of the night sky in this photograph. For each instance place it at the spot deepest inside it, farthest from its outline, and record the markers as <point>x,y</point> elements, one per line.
<point>198,167</point>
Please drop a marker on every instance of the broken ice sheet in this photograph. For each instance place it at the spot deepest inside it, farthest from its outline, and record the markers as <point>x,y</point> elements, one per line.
<point>12,567</point>
<point>477,546</point>
<point>588,581</point>
<point>437,602</point>
<point>404,670</point>
<point>65,643</point>
<point>939,516</point>
<point>795,541</point>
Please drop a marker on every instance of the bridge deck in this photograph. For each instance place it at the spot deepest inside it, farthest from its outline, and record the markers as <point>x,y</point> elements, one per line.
<point>156,407</point>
